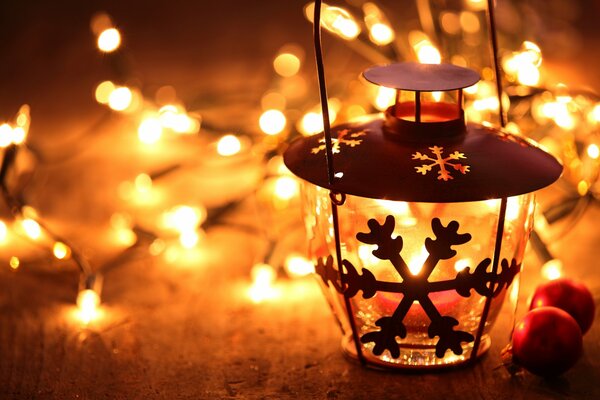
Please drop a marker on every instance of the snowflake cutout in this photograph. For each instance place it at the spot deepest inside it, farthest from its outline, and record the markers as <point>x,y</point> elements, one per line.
<point>417,287</point>
<point>345,137</point>
<point>443,163</point>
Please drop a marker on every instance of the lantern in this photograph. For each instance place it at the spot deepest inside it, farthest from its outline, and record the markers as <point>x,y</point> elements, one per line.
<point>417,221</point>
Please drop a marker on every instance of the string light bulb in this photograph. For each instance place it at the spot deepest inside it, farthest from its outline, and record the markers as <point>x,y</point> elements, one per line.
<point>336,20</point>
<point>263,278</point>
<point>14,262</point>
<point>61,251</point>
<point>272,122</point>
<point>109,40</point>
<point>32,228</point>
<point>229,145</point>
<point>87,303</point>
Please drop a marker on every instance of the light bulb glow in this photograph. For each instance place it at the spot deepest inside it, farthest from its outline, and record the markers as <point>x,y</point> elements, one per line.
<point>120,98</point>
<point>189,238</point>
<point>263,278</point>
<point>61,251</point>
<point>87,304</point>
<point>5,135</point>
<point>103,91</point>
<point>14,262</point>
<point>286,64</point>
<point>593,151</point>
<point>150,130</point>
<point>229,145</point>
<point>552,269</point>
<point>385,98</point>
<point>298,266</point>
<point>286,188</point>
<point>427,53</point>
<point>32,228</point>
<point>3,231</point>
<point>183,218</point>
<point>109,40</point>
<point>272,122</point>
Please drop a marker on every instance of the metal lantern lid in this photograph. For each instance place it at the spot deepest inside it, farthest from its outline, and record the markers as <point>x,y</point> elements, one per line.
<point>423,151</point>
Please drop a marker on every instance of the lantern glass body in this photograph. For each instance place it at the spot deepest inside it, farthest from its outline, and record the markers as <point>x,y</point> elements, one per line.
<point>413,222</point>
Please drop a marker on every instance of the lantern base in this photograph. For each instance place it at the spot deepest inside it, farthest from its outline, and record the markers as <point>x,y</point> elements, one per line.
<point>414,357</point>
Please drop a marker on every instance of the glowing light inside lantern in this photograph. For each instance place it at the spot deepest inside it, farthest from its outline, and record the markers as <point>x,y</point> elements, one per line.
<point>120,98</point>
<point>552,269</point>
<point>14,262</point>
<point>5,135</point>
<point>61,251</point>
<point>150,130</point>
<point>263,278</point>
<point>87,304</point>
<point>272,122</point>
<point>462,264</point>
<point>32,228</point>
<point>415,265</point>
<point>229,145</point>
<point>109,40</point>
<point>298,266</point>
<point>286,64</point>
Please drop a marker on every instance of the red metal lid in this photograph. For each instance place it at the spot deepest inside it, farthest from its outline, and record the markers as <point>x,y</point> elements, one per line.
<point>423,151</point>
<point>480,164</point>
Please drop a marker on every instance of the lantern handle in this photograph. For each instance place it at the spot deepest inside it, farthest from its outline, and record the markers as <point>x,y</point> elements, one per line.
<point>323,91</point>
<point>494,44</point>
<point>336,197</point>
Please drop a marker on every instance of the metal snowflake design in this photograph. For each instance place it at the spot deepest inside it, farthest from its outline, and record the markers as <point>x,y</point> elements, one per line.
<point>417,287</point>
<point>345,137</point>
<point>444,164</point>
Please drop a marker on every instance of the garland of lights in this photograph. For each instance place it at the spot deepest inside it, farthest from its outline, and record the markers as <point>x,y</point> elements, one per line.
<point>564,121</point>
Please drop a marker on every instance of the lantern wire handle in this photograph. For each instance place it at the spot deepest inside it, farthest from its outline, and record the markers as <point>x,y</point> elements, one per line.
<point>335,200</point>
<point>494,43</point>
<point>504,201</point>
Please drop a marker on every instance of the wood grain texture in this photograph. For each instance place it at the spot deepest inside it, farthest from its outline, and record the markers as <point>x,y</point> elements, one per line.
<point>179,332</point>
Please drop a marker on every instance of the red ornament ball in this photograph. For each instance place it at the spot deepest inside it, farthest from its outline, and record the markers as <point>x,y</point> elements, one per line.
<point>547,342</point>
<point>570,296</point>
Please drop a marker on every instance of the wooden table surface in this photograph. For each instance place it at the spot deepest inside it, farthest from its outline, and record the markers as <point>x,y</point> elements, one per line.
<point>185,328</point>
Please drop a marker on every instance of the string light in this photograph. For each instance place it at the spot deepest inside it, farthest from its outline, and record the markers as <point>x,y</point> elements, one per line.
<point>87,302</point>
<point>32,228</point>
<point>61,251</point>
<point>263,278</point>
<point>552,269</point>
<point>336,20</point>
<point>229,145</point>
<point>109,40</point>
<point>272,122</point>
<point>286,64</point>
<point>380,31</point>
<point>120,98</point>
<point>14,262</point>
<point>150,130</point>
<point>3,231</point>
<point>298,266</point>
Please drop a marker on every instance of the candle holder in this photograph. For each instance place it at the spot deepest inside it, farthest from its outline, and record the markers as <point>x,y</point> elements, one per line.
<point>417,221</point>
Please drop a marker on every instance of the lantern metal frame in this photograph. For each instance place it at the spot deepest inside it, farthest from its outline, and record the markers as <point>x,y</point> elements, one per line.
<point>348,281</point>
